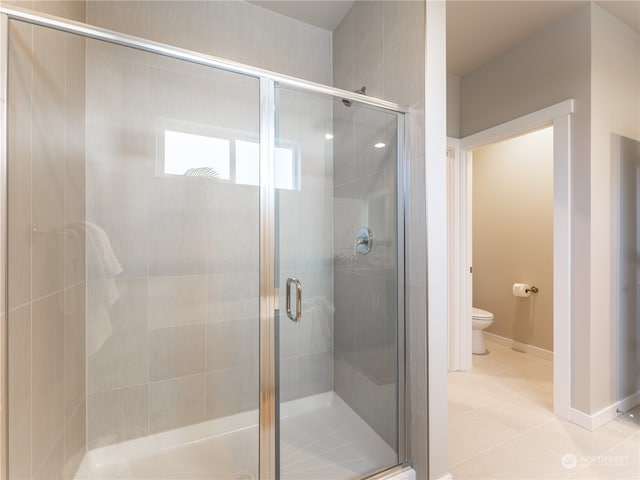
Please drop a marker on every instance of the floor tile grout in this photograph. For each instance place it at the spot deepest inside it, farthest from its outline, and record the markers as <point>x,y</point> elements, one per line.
<point>528,380</point>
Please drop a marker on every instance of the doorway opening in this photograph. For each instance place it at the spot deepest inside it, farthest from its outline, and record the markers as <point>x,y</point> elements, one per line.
<point>515,392</point>
<point>512,244</point>
<point>460,232</point>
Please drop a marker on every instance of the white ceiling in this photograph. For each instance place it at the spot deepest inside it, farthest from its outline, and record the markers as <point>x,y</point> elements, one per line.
<point>325,14</point>
<point>477,30</point>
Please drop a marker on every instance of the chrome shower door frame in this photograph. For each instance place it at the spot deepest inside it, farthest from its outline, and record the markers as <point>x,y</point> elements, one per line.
<point>402,339</point>
<point>268,295</point>
<point>268,303</point>
<point>4,341</point>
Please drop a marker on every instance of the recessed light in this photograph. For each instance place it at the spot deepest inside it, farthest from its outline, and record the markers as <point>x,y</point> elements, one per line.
<point>379,145</point>
<point>328,136</point>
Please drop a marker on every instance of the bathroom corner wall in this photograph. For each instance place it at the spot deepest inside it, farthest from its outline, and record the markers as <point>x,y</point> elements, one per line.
<point>183,340</point>
<point>46,251</point>
<point>513,236</point>
<point>381,45</point>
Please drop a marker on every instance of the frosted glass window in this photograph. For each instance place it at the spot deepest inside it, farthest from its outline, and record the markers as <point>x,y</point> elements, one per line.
<point>248,165</point>
<point>285,169</point>
<point>186,151</point>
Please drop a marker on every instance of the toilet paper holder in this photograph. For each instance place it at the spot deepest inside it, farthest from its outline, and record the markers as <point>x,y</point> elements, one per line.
<point>523,290</point>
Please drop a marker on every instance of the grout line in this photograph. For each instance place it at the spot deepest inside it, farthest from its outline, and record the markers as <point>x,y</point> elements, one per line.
<point>514,437</point>
<point>504,357</point>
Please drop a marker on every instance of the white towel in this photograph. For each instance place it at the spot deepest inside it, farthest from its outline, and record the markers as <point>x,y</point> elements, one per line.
<point>102,267</point>
<point>104,257</point>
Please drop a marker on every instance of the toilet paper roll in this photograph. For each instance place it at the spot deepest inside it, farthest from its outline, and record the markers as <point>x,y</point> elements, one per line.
<point>521,290</point>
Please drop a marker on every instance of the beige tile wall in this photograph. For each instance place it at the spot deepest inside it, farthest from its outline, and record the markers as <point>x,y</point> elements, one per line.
<point>46,316</point>
<point>184,244</point>
<point>182,336</point>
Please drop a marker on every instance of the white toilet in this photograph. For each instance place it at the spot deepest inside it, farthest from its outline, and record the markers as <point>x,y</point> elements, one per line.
<point>481,319</point>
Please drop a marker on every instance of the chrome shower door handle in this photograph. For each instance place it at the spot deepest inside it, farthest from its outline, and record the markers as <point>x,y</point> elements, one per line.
<point>298,316</point>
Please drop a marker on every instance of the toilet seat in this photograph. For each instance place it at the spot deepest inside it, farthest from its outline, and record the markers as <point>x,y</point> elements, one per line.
<point>479,314</point>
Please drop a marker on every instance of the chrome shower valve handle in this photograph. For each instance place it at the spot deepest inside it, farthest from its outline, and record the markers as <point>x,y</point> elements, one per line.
<point>364,241</point>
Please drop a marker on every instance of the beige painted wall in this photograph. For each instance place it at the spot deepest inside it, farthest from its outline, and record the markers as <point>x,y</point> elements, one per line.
<point>513,235</point>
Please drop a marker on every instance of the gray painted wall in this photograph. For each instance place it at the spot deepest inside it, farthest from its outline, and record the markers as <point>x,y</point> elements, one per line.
<point>453,106</point>
<point>628,285</point>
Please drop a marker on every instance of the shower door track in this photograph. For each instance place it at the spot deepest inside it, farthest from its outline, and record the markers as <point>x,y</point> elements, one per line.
<point>131,41</point>
<point>268,292</point>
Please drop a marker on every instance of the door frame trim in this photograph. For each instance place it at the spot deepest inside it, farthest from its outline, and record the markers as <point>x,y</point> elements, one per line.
<point>558,116</point>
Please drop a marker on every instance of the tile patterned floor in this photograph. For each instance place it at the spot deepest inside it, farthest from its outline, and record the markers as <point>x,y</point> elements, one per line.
<point>501,426</point>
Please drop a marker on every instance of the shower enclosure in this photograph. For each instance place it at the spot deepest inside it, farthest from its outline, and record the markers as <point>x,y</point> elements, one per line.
<point>204,270</point>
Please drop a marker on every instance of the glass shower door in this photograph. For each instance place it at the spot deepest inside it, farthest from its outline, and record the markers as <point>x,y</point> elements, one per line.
<point>337,273</point>
<point>132,266</point>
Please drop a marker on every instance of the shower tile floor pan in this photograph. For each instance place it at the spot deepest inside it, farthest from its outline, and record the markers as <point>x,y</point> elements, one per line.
<point>322,438</point>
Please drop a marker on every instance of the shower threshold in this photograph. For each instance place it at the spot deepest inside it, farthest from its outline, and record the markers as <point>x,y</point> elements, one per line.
<point>321,438</point>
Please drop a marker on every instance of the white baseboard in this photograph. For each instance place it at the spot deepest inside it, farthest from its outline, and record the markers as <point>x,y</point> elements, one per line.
<point>605,415</point>
<point>632,401</point>
<point>580,418</point>
<point>521,347</point>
